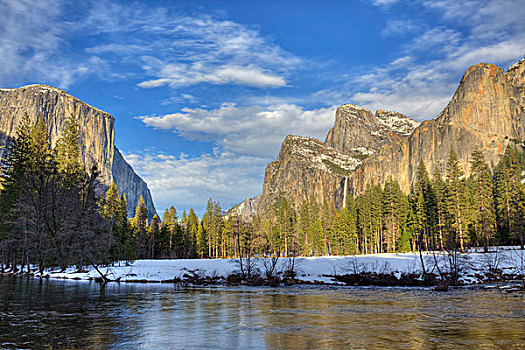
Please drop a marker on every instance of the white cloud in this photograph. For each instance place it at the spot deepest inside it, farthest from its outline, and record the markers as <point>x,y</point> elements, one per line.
<point>183,51</point>
<point>188,182</point>
<point>46,41</point>
<point>383,2</point>
<point>254,130</point>
<point>30,40</point>
<point>177,76</point>
<point>398,27</point>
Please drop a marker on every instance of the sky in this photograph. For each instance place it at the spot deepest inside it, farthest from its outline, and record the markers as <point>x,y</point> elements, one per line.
<point>204,92</point>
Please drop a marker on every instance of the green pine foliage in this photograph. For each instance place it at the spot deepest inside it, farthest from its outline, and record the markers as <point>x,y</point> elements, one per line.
<point>51,215</point>
<point>140,227</point>
<point>484,217</point>
<point>456,201</point>
<point>509,197</point>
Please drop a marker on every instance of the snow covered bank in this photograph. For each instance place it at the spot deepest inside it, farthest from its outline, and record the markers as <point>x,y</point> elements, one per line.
<point>502,263</point>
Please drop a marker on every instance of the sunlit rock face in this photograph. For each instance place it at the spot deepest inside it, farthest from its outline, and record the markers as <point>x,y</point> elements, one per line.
<point>307,168</point>
<point>487,111</point>
<point>96,129</point>
<point>245,210</point>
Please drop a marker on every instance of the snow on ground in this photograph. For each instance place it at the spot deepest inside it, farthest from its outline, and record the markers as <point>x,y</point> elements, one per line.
<point>507,259</point>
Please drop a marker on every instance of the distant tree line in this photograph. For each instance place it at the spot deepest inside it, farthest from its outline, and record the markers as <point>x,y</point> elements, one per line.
<point>52,213</point>
<point>442,212</point>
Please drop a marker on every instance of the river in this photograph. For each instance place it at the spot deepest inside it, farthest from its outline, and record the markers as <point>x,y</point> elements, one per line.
<point>39,314</point>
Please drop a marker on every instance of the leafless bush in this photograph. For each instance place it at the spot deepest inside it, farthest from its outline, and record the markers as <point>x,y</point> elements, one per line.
<point>290,267</point>
<point>385,268</point>
<point>491,261</point>
<point>455,264</point>
<point>354,266</point>
<point>247,266</point>
<point>269,266</point>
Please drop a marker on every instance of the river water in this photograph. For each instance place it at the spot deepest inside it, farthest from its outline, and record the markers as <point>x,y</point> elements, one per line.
<point>39,314</point>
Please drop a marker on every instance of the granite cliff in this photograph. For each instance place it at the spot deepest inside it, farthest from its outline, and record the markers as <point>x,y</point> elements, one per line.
<point>487,111</point>
<point>96,129</point>
<point>308,168</point>
<point>246,210</point>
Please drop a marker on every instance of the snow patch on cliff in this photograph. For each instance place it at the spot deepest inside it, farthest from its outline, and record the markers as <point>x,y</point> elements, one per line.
<point>396,122</point>
<point>319,156</point>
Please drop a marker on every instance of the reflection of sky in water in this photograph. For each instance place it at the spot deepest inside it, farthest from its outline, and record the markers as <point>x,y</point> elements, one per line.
<point>36,314</point>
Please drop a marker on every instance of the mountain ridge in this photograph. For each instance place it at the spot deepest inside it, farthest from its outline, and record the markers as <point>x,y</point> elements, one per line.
<point>487,111</point>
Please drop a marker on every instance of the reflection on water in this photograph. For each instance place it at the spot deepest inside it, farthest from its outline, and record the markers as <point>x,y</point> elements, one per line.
<point>66,314</point>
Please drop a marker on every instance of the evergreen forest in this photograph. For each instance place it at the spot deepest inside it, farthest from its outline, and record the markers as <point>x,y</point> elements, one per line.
<point>56,213</point>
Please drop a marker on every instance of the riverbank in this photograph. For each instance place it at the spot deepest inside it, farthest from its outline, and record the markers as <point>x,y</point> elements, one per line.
<point>387,269</point>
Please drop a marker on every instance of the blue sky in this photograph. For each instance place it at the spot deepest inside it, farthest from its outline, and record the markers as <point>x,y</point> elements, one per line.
<point>204,92</point>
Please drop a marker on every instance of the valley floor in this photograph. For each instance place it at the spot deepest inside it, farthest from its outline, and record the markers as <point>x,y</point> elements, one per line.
<point>474,267</point>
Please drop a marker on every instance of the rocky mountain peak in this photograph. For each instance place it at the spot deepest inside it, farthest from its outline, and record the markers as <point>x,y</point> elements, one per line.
<point>96,131</point>
<point>486,112</point>
<point>356,127</point>
<point>516,83</point>
<point>481,101</point>
<point>246,210</point>
<point>306,167</point>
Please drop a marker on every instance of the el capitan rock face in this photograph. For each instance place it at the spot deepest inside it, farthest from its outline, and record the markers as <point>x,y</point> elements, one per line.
<point>486,111</point>
<point>96,129</point>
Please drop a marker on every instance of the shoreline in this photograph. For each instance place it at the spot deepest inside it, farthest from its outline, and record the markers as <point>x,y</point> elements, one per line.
<point>500,265</point>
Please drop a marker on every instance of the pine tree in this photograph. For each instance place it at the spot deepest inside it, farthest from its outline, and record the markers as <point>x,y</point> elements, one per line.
<point>41,176</point>
<point>67,156</point>
<point>327,218</point>
<point>439,186</point>
<point>484,217</point>
<point>125,235</point>
<point>193,229</point>
<point>285,224</point>
<point>345,228</point>
<point>110,210</point>
<point>455,200</point>
<point>509,196</point>
<point>394,212</point>
<point>424,186</point>
<point>15,177</point>
<point>315,231</point>
<point>170,221</point>
<point>140,225</point>
<point>153,235</point>
<point>304,221</point>
<point>213,225</point>
<point>202,240</point>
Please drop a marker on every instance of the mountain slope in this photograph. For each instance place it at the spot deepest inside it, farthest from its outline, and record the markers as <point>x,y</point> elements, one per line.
<point>487,111</point>
<point>307,168</point>
<point>96,129</point>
